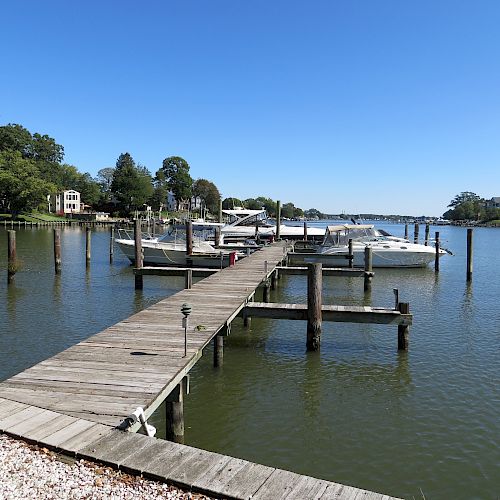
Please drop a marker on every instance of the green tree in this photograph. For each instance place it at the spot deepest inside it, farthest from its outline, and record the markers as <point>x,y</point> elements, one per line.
<point>104,179</point>
<point>231,203</point>
<point>208,192</point>
<point>89,189</point>
<point>180,182</point>
<point>160,185</point>
<point>463,197</point>
<point>21,188</point>
<point>15,137</point>
<point>288,210</point>
<point>252,204</point>
<point>132,184</point>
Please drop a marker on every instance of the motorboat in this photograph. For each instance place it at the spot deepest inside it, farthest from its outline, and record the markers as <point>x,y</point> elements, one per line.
<point>245,223</point>
<point>387,250</point>
<point>169,249</point>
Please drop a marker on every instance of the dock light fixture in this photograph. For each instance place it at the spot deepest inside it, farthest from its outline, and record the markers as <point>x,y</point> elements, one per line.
<point>186,311</point>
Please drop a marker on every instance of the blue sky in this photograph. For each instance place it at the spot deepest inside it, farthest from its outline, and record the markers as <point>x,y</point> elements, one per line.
<point>360,106</point>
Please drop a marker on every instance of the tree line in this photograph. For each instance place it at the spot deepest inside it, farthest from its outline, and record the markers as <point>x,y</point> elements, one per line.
<point>471,207</point>
<point>32,167</point>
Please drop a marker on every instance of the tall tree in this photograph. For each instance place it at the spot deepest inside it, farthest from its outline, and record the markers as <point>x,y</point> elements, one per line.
<point>231,203</point>
<point>21,187</point>
<point>131,184</point>
<point>105,178</point>
<point>160,185</point>
<point>176,171</point>
<point>463,197</point>
<point>208,192</point>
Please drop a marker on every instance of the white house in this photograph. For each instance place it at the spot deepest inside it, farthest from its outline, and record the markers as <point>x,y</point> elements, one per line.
<point>172,203</point>
<point>67,202</point>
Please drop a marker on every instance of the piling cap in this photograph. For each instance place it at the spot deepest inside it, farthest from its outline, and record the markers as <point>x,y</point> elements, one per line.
<point>186,309</point>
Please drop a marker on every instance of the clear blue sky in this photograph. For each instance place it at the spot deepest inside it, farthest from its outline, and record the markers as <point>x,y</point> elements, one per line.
<point>385,106</point>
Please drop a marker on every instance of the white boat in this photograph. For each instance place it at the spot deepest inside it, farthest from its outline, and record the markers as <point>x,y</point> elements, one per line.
<point>245,223</point>
<point>170,250</point>
<point>387,250</point>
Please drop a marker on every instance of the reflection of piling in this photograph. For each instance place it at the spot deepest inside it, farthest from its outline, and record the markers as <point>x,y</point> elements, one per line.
<point>138,253</point>
<point>314,302</point>
<point>469,254</point>
<point>11,255</point>
<point>436,258</point>
<point>403,330</point>
<point>57,251</point>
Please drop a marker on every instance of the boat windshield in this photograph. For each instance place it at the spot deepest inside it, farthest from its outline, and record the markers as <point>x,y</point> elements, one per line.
<point>340,235</point>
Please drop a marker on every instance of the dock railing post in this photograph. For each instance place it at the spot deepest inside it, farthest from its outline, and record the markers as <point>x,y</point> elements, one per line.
<point>367,285</point>
<point>88,242</point>
<point>314,303</point>
<point>11,255</point>
<point>403,330</point>
<point>436,258</point>
<point>469,254</point>
<point>138,253</point>
<point>57,251</point>
<point>174,409</point>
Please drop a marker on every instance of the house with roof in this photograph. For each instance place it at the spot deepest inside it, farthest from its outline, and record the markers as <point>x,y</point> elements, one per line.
<point>66,202</point>
<point>493,202</point>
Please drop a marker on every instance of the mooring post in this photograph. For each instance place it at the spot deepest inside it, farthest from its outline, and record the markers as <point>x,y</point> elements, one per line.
<point>189,238</point>
<point>403,330</point>
<point>278,220</point>
<point>274,279</point>
<point>436,258</point>
<point>188,279</point>
<point>267,291</point>
<point>351,254</point>
<point>11,255</point>
<point>305,231</point>
<point>367,286</point>
<point>88,240</point>
<point>220,210</point>
<point>427,229</point>
<point>469,254</point>
<point>406,231</point>
<point>247,320</point>
<point>218,350</point>
<point>57,251</point>
<point>314,302</point>
<point>174,409</point>
<point>217,237</point>
<point>415,233</point>
<point>111,244</point>
<point>138,253</point>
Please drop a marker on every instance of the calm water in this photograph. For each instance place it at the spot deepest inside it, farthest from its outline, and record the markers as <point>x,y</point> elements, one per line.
<point>422,423</point>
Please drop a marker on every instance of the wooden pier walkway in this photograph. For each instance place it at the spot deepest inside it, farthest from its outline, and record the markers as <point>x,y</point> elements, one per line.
<point>76,400</point>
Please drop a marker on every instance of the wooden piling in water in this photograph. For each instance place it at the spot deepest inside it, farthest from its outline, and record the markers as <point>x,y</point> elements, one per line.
<point>267,291</point>
<point>305,231</point>
<point>220,210</point>
<point>351,254</point>
<point>415,233</point>
<point>88,240</point>
<point>367,285</point>
<point>174,409</point>
<point>138,253</point>
<point>436,258</point>
<point>314,302</point>
<point>57,251</point>
<point>188,279</point>
<point>111,244</point>
<point>469,254</point>
<point>427,229</point>
<point>216,236</point>
<point>11,255</point>
<point>403,330</point>
<point>189,238</point>
<point>218,350</point>
<point>406,231</point>
<point>278,220</point>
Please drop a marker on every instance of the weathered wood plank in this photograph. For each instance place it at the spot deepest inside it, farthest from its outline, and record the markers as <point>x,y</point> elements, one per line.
<point>278,485</point>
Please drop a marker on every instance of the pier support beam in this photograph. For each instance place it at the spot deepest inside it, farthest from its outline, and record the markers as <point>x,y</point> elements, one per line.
<point>174,409</point>
<point>403,330</point>
<point>218,351</point>
<point>314,302</point>
<point>57,251</point>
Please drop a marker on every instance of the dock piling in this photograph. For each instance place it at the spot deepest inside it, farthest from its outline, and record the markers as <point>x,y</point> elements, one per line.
<point>57,251</point>
<point>88,242</point>
<point>427,229</point>
<point>403,330</point>
<point>138,254</point>
<point>368,276</point>
<point>436,258</point>
<point>351,254</point>
<point>406,231</point>
<point>189,238</point>
<point>174,409</point>
<point>188,279</point>
<point>218,351</point>
<point>314,303</point>
<point>111,244</point>
<point>278,220</point>
<point>305,231</point>
<point>11,255</point>
<point>469,254</point>
<point>415,233</point>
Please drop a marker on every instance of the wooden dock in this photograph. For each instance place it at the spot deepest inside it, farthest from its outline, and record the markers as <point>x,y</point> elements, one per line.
<point>76,400</point>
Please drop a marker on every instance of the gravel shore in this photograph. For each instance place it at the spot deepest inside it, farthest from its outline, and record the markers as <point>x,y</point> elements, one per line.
<point>30,472</point>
